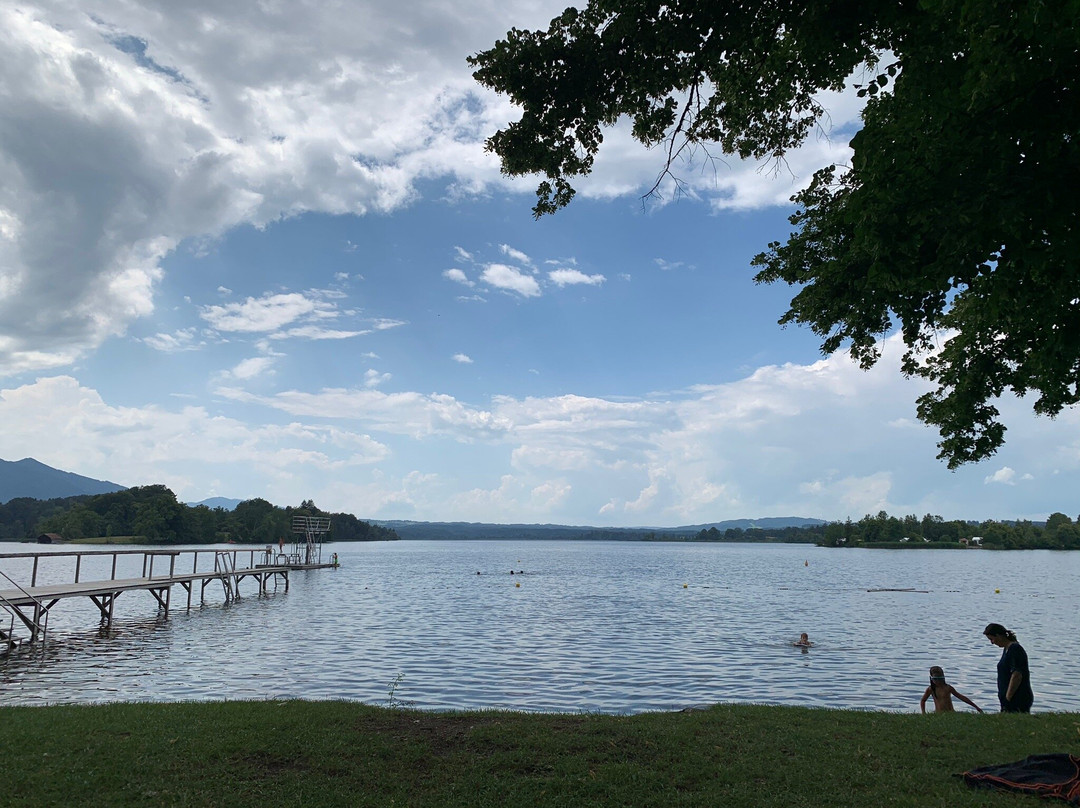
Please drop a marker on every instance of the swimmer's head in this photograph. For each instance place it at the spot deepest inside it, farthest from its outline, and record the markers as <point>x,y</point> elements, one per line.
<point>937,673</point>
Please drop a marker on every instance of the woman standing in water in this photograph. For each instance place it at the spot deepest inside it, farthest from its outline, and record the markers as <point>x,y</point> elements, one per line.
<point>1013,676</point>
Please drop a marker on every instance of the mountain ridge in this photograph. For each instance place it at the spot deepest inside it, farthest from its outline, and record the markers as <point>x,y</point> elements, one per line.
<point>32,478</point>
<point>227,503</point>
<point>408,529</point>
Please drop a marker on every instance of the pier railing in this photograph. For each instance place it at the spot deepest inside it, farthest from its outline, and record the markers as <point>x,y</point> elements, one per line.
<point>102,575</point>
<point>151,559</point>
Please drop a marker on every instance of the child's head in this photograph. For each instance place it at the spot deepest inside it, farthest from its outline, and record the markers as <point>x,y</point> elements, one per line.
<point>804,637</point>
<point>937,674</point>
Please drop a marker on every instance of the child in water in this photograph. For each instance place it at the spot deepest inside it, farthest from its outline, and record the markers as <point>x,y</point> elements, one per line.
<point>943,692</point>
<point>803,641</point>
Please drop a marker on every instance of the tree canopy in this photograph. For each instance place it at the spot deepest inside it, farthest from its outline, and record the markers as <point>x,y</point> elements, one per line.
<point>958,218</point>
<point>152,513</point>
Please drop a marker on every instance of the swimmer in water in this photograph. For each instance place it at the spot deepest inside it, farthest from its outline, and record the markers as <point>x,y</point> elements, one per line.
<point>803,641</point>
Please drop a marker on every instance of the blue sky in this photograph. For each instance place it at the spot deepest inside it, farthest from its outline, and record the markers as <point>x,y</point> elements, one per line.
<point>259,251</point>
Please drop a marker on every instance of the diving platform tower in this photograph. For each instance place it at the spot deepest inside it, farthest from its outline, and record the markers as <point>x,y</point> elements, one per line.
<point>310,531</point>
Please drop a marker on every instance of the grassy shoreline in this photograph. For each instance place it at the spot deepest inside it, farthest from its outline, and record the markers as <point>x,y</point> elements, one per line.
<point>270,753</point>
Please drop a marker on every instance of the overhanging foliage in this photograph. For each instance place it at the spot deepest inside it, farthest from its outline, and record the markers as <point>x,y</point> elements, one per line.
<point>958,214</point>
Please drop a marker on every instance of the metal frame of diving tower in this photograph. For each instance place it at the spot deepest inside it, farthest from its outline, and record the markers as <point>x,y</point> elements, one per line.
<point>312,529</point>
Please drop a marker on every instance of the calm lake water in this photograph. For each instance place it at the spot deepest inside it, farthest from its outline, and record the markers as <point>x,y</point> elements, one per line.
<point>594,626</point>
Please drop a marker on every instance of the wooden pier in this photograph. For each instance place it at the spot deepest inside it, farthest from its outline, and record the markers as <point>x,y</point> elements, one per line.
<point>28,605</point>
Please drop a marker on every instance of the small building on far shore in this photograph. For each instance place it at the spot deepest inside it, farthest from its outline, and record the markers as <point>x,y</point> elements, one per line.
<point>49,538</point>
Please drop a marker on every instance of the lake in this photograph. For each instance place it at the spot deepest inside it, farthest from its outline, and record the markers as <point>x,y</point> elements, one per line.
<point>610,627</point>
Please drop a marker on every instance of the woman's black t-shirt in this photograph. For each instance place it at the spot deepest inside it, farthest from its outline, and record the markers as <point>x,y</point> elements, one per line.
<point>1014,660</point>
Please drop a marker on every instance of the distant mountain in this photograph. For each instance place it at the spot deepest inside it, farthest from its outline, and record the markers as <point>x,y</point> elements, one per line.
<point>217,502</point>
<point>29,478</point>
<point>482,530</point>
<point>768,523</point>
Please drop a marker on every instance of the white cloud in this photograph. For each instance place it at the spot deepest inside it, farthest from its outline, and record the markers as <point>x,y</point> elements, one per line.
<point>549,495</point>
<point>526,283</point>
<point>252,368</point>
<point>645,499</point>
<point>386,323</point>
<point>240,114</point>
<point>244,113</point>
<point>904,423</point>
<point>567,277</point>
<point>372,378</point>
<point>1003,475</point>
<point>414,414</point>
<point>805,440</point>
<point>317,332</point>
<point>274,313</point>
<point>268,313</point>
<point>868,494</point>
<point>549,457</point>
<point>711,452</point>
<point>71,427</point>
<point>515,255</point>
<point>510,279</point>
<point>182,340</point>
<point>458,276</point>
<point>464,359</point>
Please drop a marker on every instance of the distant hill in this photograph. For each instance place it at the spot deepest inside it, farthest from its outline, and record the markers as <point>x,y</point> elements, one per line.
<point>768,523</point>
<point>483,530</point>
<point>216,502</point>
<point>29,478</point>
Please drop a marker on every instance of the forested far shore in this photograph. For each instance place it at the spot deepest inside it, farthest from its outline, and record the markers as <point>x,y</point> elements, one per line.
<point>152,514</point>
<point>1058,532</point>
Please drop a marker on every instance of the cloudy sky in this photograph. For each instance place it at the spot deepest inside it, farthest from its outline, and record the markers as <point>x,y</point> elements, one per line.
<point>256,249</point>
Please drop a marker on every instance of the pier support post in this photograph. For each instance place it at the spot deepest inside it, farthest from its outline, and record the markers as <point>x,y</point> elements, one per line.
<point>105,605</point>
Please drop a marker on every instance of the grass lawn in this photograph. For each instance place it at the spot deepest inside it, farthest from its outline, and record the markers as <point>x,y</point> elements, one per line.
<point>294,753</point>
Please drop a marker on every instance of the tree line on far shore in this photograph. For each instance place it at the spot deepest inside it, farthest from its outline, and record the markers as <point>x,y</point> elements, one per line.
<point>152,513</point>
<point>1059,532</point>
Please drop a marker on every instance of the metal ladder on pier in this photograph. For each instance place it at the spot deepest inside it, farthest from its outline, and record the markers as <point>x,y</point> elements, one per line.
<point>225,563</point>
<point>36,624</point>
<point>7,634</point>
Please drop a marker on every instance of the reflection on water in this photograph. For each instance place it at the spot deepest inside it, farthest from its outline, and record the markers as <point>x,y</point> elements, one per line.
<point>596,626</point>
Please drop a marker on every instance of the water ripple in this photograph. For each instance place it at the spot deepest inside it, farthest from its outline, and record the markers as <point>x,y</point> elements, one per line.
<point>604,627</point>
